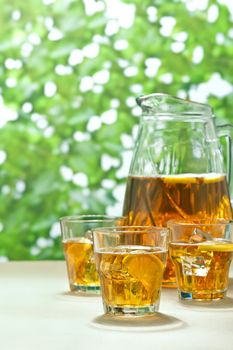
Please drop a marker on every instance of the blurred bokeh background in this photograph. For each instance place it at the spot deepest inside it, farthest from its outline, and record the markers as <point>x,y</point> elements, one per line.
<point>69,74</point>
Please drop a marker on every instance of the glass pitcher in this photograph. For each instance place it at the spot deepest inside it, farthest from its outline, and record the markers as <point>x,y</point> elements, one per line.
<point>177,169</point>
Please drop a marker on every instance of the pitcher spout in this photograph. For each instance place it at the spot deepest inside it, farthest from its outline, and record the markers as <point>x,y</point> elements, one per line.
<point>160,103</point>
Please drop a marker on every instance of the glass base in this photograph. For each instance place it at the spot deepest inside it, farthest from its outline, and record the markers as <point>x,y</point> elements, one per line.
<point>201,296</point>
<point>169,284</point>
<point>85,289</point>
<point>131,310</point>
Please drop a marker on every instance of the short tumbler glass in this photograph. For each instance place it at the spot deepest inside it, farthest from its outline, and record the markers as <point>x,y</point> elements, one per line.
<point>130,261</point>
<point>78,250</point>
<point>201,254</point>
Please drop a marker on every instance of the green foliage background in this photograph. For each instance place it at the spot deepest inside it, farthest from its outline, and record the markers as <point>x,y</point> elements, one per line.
<point>35,156</point>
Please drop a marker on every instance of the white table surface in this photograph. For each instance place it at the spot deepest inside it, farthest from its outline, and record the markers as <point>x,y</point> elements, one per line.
<point>36,312</point>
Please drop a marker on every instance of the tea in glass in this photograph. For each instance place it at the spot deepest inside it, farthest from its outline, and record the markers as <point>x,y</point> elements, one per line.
<point>202,255</point>
<point>78,250</point>
<point>130,262</point>
<point>81,264</point>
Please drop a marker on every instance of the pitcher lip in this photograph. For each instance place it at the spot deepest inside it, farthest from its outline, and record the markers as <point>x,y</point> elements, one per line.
<point>186,106</point>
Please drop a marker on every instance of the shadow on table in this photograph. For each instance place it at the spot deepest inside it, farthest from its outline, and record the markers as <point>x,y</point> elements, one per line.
<point>230,283</point>
<point>158,322</point>
<point>78,296</point>
<point>81,294</point>
<point>214,305</point>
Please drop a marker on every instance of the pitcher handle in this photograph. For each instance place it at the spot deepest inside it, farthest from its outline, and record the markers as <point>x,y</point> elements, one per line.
<point>226,131</point>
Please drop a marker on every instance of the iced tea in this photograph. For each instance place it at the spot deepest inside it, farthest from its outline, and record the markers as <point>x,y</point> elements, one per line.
<point>202,268</point>
<point>130,261</point>
<point>131,276</point>
<point>80,262</point>
<point>156,200</point>
<point>78,249</point>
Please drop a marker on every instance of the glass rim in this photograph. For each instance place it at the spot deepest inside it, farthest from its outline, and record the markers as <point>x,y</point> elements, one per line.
<point>89,218</point>
<point>129,229</point>
<point>172,223</point>
<point>174,115</point>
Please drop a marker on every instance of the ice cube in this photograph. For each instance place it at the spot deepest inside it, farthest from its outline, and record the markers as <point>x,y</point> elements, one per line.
<point>88,236</point>
<point>111,267</point>
<point>84,240</point>
<point>138,251</point>
<point>199,236</point>
<point>194,266</point>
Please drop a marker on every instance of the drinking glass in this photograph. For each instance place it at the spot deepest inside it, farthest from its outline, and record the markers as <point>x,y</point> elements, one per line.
<point>201,254</point>
<point>78,250</point>
<point>130,261</point>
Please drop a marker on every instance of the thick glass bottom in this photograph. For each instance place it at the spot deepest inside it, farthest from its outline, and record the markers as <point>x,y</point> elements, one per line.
<point>85,289</point>
<point>169,284</point>
<point>131,310</point>
<point>202,296</point>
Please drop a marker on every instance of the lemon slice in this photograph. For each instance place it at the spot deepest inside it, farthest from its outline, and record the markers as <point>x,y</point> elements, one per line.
<point>172,179</point>
<point>193,178</point>
<point>217,247</point>
<point>146,268</point>
<point>79,250</point>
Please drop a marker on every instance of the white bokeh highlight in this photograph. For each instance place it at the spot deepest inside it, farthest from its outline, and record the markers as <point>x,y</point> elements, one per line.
<point>3,156</point>
<point>80,179</point>
<point>108,162</point>
<point>109,117</point>
<point>50,89</point>
<point>94,123</point>
<point>198,54</point>
<point>76,57</point>
<point>66,173</point>
<point>215,86</point>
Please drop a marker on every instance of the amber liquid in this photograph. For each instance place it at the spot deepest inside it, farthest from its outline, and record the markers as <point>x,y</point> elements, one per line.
<point>80,264</point>
<point>131,276</point>
<point>156,200</point>
<point>202,269</point>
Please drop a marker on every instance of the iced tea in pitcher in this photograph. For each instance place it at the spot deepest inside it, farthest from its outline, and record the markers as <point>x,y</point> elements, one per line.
<point>177,171</point>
